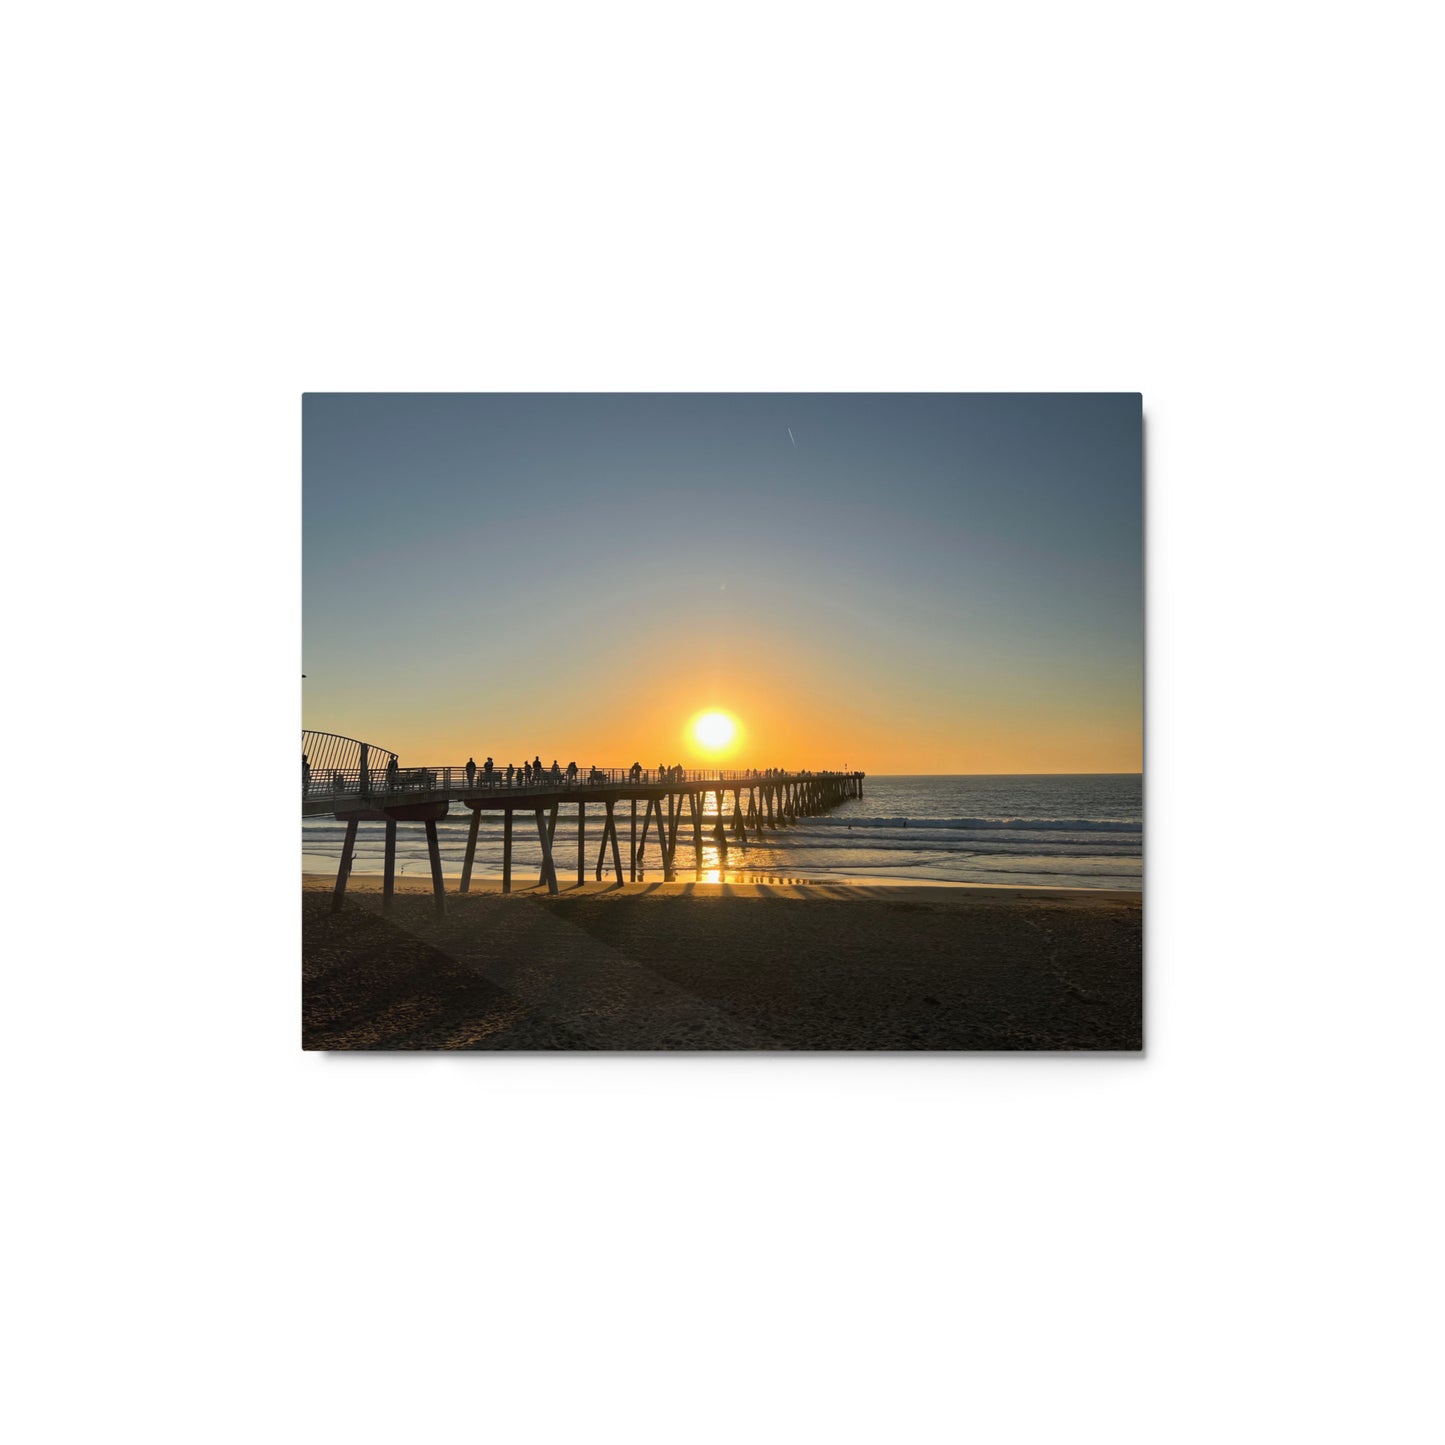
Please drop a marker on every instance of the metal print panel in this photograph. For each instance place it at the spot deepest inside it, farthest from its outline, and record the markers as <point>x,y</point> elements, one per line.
<point>675,721</point>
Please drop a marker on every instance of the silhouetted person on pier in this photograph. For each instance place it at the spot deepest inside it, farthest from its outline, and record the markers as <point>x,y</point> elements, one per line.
<point>661,772</point>
<point>391,771</point>
<point>509,775</point>
<point>471,772</point>
<point>571,772</point>
<point>556,771</point>
<point>537,768</point>
<point>305,775</point>
<point>488,769</point>
<point>636,771</point>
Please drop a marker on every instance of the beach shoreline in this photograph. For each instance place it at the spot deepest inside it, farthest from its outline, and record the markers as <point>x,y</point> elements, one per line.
<point>740,887</point>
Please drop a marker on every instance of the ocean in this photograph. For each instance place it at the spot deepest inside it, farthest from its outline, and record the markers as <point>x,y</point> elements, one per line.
<point>1058,830</point>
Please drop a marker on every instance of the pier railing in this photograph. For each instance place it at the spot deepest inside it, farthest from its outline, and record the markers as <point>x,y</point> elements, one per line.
<point>390,779</point>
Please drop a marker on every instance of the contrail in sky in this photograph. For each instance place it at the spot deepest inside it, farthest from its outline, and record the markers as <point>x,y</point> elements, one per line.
<point>791,439</point>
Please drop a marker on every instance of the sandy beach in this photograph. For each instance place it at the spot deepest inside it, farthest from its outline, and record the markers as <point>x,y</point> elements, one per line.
<point>691,966</point>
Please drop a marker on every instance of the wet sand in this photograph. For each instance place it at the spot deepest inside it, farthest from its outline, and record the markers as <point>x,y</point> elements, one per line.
<point>723,966</point>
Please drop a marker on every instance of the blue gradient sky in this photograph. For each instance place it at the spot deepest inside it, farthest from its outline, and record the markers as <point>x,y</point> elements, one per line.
<point>923,583</point>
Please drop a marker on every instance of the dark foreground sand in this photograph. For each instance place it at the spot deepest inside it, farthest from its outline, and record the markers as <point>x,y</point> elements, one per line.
<point>723,966</point>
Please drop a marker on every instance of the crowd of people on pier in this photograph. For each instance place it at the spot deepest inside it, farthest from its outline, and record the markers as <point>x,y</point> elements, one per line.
<point>536,774</point>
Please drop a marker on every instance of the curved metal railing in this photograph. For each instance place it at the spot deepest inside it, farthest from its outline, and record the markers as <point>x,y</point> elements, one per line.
<point>332,765</point>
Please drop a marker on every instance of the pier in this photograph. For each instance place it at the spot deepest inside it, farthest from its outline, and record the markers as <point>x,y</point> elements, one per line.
<point>359,783</point>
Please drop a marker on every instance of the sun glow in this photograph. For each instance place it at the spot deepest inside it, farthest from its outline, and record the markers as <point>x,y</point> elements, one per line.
<point>713,731</point>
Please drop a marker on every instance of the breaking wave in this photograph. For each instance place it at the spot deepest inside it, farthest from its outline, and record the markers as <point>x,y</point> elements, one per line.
<point>980,825</point>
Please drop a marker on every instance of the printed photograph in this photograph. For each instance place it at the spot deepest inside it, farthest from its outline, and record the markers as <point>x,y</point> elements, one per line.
<point>722,722</point>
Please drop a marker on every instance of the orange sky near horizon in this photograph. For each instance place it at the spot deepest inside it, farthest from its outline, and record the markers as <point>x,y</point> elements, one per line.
<point>782,721</point>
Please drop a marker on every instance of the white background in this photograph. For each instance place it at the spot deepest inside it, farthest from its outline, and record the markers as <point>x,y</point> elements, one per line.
<point>214,1237</point>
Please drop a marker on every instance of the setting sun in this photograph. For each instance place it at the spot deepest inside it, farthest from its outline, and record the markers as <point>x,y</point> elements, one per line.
<point>714,731</point>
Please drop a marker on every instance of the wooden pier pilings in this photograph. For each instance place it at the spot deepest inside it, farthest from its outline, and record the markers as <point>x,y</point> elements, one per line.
<point>744,805</point>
